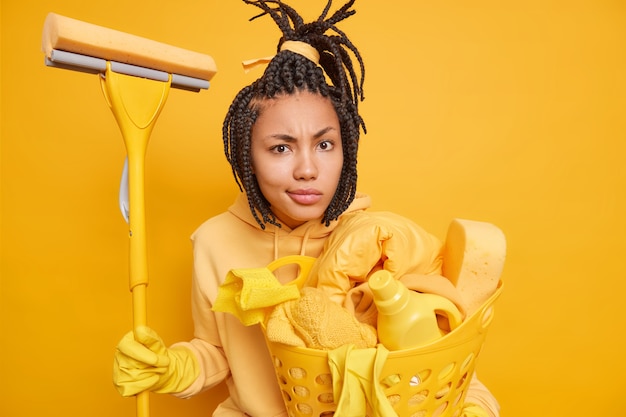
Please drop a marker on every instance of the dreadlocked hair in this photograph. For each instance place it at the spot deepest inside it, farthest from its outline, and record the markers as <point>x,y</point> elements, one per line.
<point>287,73</point>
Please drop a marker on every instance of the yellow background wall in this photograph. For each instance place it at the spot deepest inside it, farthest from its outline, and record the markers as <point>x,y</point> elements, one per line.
<point>508,112</point>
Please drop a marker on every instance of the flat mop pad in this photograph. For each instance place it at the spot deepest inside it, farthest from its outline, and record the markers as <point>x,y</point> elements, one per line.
<point>74,44</point>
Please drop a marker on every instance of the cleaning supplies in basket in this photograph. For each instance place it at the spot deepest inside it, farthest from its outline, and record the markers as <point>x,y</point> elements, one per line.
<point>344,272</point>
<point>406,318</point>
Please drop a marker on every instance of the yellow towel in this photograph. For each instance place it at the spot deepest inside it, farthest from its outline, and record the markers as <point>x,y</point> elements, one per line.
<point>248,293</point>
<point>355,374</point>
<point>316,322</point>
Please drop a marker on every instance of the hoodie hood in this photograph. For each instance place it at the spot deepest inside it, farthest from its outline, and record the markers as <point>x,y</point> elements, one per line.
<point>311,230</point>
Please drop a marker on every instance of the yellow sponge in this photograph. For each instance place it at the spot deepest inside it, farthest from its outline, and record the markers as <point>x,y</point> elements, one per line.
<point>71,35</point>
<point>473,260</point>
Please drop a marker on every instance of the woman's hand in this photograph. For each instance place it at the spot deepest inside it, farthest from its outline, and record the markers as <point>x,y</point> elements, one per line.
<point>143,362</point>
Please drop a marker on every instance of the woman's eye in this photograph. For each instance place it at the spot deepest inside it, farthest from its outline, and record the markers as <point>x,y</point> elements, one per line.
<point>280,148</point>
<point>325,145</point>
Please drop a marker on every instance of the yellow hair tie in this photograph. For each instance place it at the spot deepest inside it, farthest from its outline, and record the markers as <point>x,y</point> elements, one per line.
<point>298,47</point>
<point>302,48</point>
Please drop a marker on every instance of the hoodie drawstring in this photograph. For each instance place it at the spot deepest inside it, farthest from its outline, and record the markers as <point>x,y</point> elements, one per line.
<point>275,242</point>
<point>305,240</point>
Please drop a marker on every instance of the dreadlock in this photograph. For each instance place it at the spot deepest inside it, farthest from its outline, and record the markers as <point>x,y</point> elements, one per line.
<point>287,73</point>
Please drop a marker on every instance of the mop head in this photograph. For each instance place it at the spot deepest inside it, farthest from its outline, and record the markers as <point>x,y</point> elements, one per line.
<point>74,44</point>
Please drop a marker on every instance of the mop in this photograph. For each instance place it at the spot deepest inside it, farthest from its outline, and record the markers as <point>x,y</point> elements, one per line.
<point>136,75</point>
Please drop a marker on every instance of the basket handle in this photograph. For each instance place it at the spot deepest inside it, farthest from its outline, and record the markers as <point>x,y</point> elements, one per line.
<point>304,262</point>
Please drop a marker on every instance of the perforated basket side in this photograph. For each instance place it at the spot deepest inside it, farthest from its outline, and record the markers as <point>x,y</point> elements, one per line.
<point>432,380</point>
<point>427,381</point>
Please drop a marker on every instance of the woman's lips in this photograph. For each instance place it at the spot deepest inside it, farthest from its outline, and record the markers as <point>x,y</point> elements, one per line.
<point>306,197</point>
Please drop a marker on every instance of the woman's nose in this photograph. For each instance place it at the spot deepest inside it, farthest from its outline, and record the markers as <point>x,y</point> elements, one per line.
<point>306,167</point>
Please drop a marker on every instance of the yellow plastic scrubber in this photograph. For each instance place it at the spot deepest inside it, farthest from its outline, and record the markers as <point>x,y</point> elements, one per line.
<point>136,95</point>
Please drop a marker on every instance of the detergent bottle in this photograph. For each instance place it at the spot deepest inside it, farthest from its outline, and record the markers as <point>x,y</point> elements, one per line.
<point>407,318</point>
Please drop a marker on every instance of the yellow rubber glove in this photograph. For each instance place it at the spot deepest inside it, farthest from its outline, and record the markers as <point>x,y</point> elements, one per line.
<point>145,363</point>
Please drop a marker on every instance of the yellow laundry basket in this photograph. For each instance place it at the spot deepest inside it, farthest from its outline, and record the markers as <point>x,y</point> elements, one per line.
<point>427,381</point>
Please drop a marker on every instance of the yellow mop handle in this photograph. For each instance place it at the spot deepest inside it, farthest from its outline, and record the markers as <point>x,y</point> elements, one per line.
<point>136,104</point>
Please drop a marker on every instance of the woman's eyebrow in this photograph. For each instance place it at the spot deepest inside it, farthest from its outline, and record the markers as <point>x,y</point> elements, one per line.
<point>323,131</point>
<point>283,136</point>
<point>288,138</point>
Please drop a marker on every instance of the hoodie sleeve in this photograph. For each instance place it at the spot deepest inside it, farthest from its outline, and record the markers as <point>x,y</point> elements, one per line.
<point>206,344</point>
<point>479,395</point>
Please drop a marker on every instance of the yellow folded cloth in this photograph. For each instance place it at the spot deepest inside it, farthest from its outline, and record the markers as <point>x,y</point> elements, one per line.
<point>355,374</point>
<point>316,322</point>
<point>248,293</point>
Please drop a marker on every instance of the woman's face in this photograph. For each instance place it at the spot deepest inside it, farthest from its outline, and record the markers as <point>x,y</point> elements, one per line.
<point>297,155</point>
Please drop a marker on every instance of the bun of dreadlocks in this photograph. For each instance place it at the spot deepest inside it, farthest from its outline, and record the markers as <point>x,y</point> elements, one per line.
<point>287,73</point>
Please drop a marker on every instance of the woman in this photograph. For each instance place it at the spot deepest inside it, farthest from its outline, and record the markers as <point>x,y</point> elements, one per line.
<point>291,138</point>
